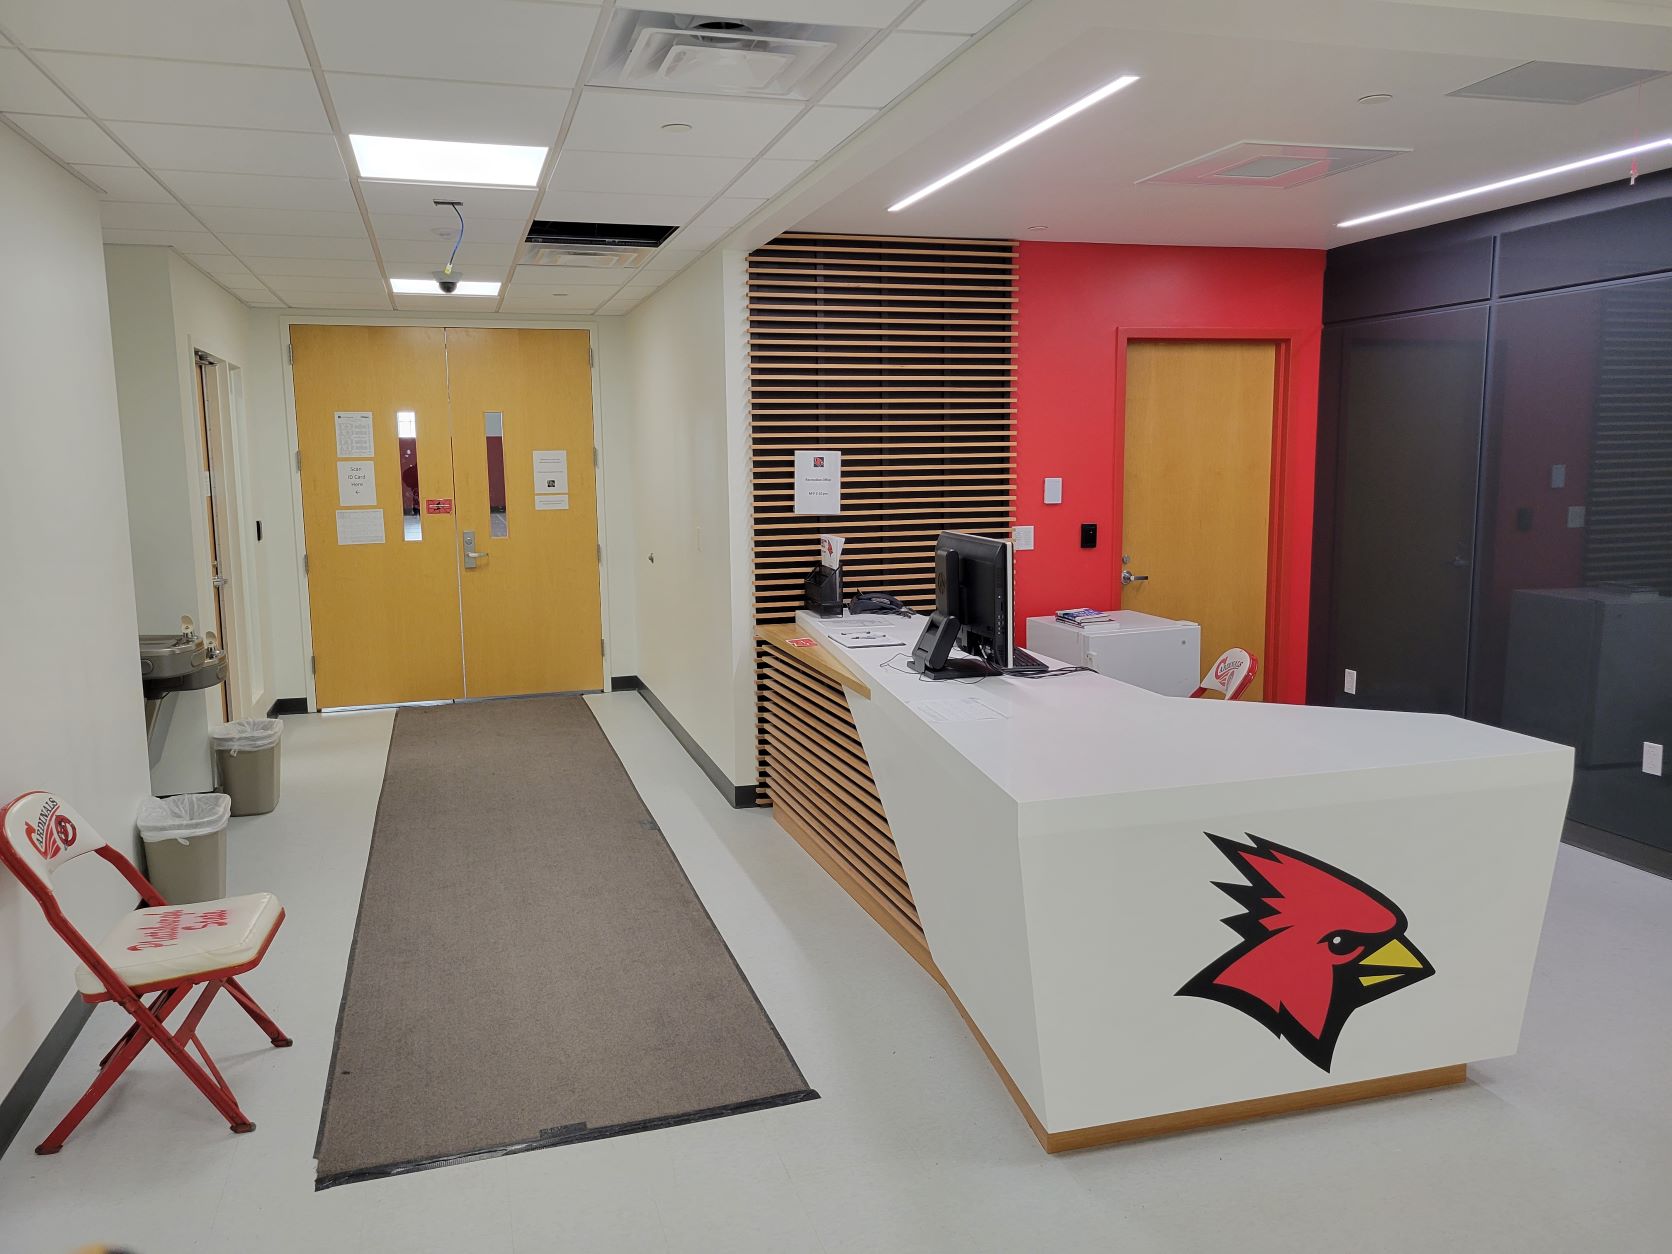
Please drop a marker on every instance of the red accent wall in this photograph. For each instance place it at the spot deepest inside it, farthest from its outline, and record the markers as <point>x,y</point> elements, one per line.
<point>1074,300</point>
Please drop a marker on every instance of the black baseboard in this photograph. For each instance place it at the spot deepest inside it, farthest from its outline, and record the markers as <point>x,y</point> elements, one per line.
<point>288,705</point>
<point>39,1070</point>
<point>738,796</point>
<point>1633,853</point>
<point>625,683</point>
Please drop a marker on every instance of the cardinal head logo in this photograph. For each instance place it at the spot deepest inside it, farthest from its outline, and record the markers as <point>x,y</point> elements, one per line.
<point>1316,945</point>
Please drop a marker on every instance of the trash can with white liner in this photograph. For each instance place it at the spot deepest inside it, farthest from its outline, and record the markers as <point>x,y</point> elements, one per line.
<point>185,845</point>
<point>247,761</point>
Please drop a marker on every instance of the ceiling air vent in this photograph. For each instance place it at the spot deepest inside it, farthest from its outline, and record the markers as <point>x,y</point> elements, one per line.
<point>1256,164</point>
<point>591,245</point>
<point>657,51</point>
<point>1556,82</point>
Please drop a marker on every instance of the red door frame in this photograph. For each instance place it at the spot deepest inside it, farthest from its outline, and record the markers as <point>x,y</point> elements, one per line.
<point>1284,341</point>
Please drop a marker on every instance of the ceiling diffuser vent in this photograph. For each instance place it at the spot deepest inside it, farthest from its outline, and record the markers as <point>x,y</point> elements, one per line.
<point>1256,164</point>
<point>658,51</point>
<point>1556,82</point>
<point>591,245</point>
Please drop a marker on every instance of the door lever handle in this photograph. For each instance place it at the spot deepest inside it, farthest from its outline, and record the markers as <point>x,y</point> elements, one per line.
<point>471,556</point>
<point>1127,576</point>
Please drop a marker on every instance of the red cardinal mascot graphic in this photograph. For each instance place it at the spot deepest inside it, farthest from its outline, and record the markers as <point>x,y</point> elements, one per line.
<point>1316,945</point>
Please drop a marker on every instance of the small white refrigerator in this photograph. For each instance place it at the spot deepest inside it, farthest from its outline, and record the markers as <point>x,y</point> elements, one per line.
<point>1161,654</point>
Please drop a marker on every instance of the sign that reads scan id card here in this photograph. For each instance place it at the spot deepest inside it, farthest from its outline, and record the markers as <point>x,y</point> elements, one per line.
<point>818,481</point>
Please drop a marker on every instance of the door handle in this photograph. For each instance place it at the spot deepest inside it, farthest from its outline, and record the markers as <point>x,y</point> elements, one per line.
<point>471,556</point>
<point>1127,576</point>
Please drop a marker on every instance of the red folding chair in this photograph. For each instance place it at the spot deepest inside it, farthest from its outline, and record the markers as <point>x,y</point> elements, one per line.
<point>1230,675</point>
<point>166,950</point>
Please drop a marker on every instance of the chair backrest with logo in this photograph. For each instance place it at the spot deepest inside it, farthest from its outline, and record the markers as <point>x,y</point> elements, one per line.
<point>40,834</point>
<point>1230,674</point>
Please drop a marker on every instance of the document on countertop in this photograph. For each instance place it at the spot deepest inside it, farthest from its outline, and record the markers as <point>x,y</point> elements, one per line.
<point>864,638</point>
<point>955,710</point>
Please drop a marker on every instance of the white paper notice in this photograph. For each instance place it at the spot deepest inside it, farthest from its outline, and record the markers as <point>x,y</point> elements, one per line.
<point>544,500</point>
<point>354,434</point>
<point>863,638</point>
<point>830,551</point>
<point>818,481</point>
<point>551,470</point>
<point>955,710</point>
<point>359,526</point>
<point>356,483</point>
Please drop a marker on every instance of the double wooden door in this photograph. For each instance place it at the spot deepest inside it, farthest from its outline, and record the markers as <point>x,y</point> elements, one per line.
<point>450,513</point>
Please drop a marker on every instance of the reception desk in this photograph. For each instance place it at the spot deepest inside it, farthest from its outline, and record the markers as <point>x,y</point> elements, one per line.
<point>1156,913</point>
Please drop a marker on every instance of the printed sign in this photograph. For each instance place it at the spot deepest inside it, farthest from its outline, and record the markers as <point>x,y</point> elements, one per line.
<point>356,483</point>
<point>433,506</point>
<point>359,526</point>
<point>354,433</point>
<point>547,500</point>
<point>803,642</point>
<point>551,470</point>
<point>818,481</point>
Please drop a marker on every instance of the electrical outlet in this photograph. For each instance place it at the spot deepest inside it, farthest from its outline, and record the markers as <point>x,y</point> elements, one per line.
<point>1652,758</point>
<point>1576,516</point>
<point>1558,476</point>
<point>1350,682</point>
<point>1022,539</point>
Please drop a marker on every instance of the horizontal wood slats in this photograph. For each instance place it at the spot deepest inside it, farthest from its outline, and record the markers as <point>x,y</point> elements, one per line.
<point>899,352</point>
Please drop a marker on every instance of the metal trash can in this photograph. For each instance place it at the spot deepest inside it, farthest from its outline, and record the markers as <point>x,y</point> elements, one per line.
<point>247,761</point>
<point>185,845</point>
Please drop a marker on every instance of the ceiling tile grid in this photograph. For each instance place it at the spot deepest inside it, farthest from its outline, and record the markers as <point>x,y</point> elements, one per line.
<point>220,128</point>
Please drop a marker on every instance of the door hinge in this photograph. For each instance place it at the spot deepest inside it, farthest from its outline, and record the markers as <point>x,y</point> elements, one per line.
<point>590,360</point>
<point>313,664</point>
<point>290,353</point>
<point>304,563</point>
<point>600,551</point>
<point>298,461</point>
<point>595,457</point>
<point>601,648</point>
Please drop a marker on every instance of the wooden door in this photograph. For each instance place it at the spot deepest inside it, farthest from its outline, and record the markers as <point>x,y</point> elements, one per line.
<point>530,607</point>
<point>1198,488</point>
<point>385,613</point>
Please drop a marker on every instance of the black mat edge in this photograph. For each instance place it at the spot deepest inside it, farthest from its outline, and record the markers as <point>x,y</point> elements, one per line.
<point>654,1124</point>
<point>576,1137</point>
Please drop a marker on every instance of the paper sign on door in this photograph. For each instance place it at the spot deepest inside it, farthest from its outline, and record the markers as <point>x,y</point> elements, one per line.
<point>442,506</point>
<point>356,483</point>
<point>548,500</point>
<point>359,526</point>
<point>551,470</point>
<point>354,434</point>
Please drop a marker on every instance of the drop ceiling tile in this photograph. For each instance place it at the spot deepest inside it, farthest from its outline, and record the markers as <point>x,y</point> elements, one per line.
<point>643,173</point>
<point>340,300</point>
<point>221,267</point>
<point>557,301</point>
<point>133,89</point>
<point>819,130</point>
<point>264,301</point>
<point>439,223</point>
<point>245,287</point>
<point>260,191</point>
<point>491,41</point>
<point>725,213</point>
<point>283,222</point>
<point>24,89</point>
<point>892,67</point>
<point>605,207</point>
<point>298,246</point>
<point>871,13</point>
<point>471,252</point>
<point>417,108</point>
<point>126,182</point>
<point>700,238</point>
<point>321,267</point>
<point>963,17</point>
<point>146,217</point>
<point>288,285</point>
<point>427,270</point>
<point>536,278</point>
<point>184,241</point>
<point>454,304</point>
<point>251,32</point>
<point>75,140</point>
<point>768,177</point>
<point>611,120</point>
<point>479,202</point>
<point>228,150</point>
<point>670,259</point>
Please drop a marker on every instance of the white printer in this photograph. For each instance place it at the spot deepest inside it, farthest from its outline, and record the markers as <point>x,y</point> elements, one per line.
<point>1161,654</point>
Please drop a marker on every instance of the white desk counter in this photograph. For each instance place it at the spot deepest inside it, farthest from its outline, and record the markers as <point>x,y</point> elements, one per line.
<point>1065,859</point>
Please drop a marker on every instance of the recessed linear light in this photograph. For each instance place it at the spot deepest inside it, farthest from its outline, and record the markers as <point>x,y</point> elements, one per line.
<point>429,287</point>
<point>1016,141</point>
<point>1519,179</point>
<point>446,161</point>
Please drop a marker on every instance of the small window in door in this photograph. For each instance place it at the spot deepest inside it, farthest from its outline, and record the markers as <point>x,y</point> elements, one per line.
<point>412,506</point>
<point>493,426</point>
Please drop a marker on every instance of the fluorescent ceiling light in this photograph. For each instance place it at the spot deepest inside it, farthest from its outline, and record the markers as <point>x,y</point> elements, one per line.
<point>1519,179</point>
<point>445,161</point>
<point>1016,141</point>
<point>429,287</point>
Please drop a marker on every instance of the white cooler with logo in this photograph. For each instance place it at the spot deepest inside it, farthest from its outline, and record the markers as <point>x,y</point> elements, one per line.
<point>1161,654</point>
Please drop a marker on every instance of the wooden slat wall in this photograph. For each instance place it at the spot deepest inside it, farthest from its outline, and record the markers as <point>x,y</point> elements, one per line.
<point>900,352</point>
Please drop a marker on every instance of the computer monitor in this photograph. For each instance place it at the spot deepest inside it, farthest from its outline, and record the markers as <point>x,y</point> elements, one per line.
<point>972,609</point>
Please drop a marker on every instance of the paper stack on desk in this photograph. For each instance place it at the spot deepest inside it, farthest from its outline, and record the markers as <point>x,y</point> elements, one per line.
<point>1080,617</point>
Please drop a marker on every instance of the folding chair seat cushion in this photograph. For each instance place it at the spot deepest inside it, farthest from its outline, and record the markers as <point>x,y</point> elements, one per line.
<point>163,945</point>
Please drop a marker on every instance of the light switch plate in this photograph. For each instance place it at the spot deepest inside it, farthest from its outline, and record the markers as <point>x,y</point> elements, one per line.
<point>1022,539</point>
<point>1053,491</point>
<point>1653,756</point>
<point>1350,683</point>
<point>1558,476</point>
<point>1576,516</point>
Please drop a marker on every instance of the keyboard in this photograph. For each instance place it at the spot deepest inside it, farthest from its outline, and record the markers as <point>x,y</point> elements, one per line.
<point>1024,663</point>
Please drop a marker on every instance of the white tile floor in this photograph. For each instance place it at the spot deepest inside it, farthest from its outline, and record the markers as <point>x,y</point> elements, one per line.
<point>914,1146</point>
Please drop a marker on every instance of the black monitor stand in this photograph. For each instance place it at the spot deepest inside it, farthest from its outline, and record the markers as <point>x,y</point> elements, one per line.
<point>932,658</point>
